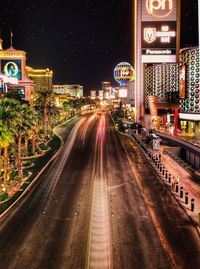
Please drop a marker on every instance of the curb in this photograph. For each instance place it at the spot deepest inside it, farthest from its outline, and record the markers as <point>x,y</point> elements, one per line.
<point>116,127</point>
<point>35,180</point>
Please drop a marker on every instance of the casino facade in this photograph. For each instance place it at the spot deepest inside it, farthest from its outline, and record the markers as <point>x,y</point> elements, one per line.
<point>13,64</point>
<point>156,50</point>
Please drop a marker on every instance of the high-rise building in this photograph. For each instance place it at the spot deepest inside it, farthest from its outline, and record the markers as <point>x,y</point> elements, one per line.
<point>106,88</point>
<point>41,77</point>
<point>93,94</point>
<point>13,65</point>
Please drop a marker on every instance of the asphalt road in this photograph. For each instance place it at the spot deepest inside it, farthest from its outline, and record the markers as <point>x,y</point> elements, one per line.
<point>99,206</point>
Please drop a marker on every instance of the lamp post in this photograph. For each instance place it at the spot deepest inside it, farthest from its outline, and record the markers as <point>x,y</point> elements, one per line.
<point>199,21</point>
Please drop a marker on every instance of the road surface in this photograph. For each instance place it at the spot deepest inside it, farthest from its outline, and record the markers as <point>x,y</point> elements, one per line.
<point>99,206</point>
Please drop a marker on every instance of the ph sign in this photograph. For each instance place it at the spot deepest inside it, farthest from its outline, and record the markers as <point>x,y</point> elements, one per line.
<point>159,8</point>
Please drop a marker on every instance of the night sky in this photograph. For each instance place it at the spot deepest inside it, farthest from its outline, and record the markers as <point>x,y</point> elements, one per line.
<point>80,40</point>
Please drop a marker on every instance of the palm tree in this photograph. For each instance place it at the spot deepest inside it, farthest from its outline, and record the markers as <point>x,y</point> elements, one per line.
<point>43,100</point>
<point>31,122</point>
<point>9,112</point>
<point>53,115</point>
<point>25,123</point>
<point>6,138</point>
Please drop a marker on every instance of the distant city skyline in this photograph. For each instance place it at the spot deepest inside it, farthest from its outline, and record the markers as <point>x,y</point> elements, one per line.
<point>82,41</point>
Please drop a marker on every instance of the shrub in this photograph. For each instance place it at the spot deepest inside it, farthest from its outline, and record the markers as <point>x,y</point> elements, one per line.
<point>3,196</point>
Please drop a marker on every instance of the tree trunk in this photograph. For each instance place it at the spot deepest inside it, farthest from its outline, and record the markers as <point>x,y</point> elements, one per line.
<point>26,145</point>
<point>5,163</point>
<point>1,162</point>
<point>19,159</point>
<point>33,143</point>
<point>45,119</point>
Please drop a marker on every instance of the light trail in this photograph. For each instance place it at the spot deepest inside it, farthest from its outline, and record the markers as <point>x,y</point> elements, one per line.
<point>84,128</point>
<point>65,154</point>
<point>99,254</point>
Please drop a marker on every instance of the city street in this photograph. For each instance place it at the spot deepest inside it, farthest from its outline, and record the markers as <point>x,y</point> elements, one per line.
<point>100,205</point>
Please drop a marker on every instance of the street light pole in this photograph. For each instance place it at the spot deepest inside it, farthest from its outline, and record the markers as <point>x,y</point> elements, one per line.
<point>199,21</point>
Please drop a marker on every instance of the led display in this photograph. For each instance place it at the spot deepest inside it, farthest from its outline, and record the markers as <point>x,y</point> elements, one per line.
<point>158,38</point>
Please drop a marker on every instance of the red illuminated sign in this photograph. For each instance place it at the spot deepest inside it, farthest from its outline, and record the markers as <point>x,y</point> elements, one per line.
<point>182,82</point>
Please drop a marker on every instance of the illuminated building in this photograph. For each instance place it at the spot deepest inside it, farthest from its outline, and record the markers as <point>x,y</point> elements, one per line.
<point>100,95</point>
<point>62,98</point>
<point>73,90</point>
<point>162,80</point>
<point>106,88</point>
<point>156,40</point>
<point>131,93</point>
<point>190,90</point>
<point>41,77</point>
<point>93,94</point>
<point>6,82</point>
<point>13,64</point>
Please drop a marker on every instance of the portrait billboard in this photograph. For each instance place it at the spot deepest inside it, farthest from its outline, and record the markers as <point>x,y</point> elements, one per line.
<point>11,68</point>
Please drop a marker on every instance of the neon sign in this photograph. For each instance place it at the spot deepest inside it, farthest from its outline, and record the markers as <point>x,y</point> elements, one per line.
<point>159,8</point>
<point>124,73</point>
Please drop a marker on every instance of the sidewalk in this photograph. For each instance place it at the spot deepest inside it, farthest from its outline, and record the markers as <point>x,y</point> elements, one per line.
<point>178,173</point>
<point>185,181</point>
<point>184,137</point>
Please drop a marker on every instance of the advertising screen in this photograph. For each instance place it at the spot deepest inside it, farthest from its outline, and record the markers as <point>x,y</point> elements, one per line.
<point>11,68</point>
<point>158,38</point>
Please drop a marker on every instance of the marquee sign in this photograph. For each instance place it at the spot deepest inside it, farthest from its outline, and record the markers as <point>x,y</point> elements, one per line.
<point>159,27</point>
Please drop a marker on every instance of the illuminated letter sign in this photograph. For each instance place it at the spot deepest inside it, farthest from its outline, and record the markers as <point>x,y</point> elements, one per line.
<point>159,8</point>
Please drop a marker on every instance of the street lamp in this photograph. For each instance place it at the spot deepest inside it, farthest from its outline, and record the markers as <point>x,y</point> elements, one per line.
<point>199,21</point>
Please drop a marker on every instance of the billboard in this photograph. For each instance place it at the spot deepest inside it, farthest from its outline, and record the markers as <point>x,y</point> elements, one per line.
<point>11,68</point>
<point>122,92</point>
<point>159,27</point>
<point>158,38</point>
